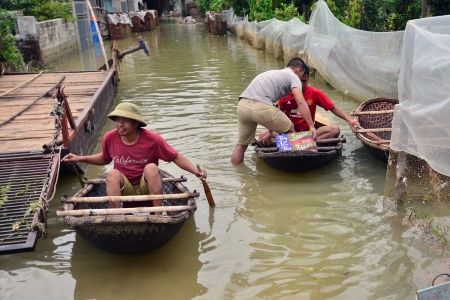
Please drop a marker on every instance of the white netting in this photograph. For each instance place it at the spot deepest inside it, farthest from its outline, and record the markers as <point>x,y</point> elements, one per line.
<point>363,63</point>
<point>269,37</point>
<point>420,120</point>
<point>294,38</point>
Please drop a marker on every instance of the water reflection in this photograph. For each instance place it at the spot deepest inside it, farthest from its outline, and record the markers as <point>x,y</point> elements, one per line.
<point>101,275</point>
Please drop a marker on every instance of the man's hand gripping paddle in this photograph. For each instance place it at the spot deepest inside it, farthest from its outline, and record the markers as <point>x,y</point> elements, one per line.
<point>207,191</point>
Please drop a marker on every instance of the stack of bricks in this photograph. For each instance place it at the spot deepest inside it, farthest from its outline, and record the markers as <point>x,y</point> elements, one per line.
<point>138,25</point>
<point>217,23</point>
<point>119,31</point>
<point>148,22</point>
<point>156,18</point>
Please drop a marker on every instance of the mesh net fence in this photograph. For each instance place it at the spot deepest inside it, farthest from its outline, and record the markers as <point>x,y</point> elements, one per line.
<point>412,66</point>
<point>359,63</point>
<point>418,172</point>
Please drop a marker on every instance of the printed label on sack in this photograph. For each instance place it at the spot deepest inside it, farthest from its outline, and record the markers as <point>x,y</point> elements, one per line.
<point>298,141</point>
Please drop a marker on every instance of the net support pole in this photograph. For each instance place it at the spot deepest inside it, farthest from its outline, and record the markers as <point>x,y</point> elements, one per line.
<point>98,34</point>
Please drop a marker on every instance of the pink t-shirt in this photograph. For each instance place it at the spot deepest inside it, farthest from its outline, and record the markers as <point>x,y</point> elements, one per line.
<point>131,160</point>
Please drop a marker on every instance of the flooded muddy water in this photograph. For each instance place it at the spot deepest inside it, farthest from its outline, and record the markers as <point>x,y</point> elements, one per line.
<point>273,235</point>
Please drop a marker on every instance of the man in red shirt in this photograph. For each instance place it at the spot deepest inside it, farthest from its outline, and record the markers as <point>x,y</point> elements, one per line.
<point>313,97</point>
<point>136,152</point>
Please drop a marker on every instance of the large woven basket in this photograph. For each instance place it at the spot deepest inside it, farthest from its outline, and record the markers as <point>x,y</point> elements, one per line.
<point>377,142</point>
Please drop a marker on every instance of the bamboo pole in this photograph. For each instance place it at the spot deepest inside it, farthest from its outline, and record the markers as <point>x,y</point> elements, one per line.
<point>13,89</point>
<point>102,181</point>
<point>98,33</point>
<point>334,140</point>
<point>32,103</point>
<point>373,130</point>
<point>388,111</point>
<point>120,211</point>
<point>129,198</point>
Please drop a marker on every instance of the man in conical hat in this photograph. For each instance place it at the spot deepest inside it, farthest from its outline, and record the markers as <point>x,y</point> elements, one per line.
<point>136,152</point>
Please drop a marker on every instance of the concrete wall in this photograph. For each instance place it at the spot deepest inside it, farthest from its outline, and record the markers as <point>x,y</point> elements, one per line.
<point>46,42</point>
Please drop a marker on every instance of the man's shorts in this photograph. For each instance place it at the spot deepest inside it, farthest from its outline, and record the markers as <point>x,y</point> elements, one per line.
<point>251,113</point>
<point>129,189</point>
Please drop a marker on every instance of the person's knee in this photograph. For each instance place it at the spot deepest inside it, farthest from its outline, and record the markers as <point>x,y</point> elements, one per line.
<point>263,133</point>
<point>151,172</point>
<point>335,130</point>
<point>114,176</point>
<point>151,169</point>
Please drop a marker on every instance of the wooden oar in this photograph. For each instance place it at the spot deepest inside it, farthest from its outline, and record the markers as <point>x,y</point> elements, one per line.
<point>129,198</point>
<point>208,194</point>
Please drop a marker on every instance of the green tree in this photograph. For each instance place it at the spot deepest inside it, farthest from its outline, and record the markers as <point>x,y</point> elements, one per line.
<point>9,53</point>
<point>287,12</point>
<point>261,10</point>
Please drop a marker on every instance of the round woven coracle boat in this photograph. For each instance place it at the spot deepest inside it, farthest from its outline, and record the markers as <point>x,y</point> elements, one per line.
<point>129,233</point>
<point>375,117</point>
<point>299,161</point>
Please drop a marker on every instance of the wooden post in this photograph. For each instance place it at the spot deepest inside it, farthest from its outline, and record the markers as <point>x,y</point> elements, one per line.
<point>98,33</point>
<point>424,8</point>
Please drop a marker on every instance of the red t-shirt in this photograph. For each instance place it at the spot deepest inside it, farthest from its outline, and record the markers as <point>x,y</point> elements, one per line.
<point>131,160</point>
<point>313,97</point>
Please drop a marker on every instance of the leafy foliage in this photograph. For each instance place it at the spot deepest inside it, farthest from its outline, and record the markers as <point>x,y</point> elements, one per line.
<point>43,10</point>
<point>9,53</point>
<point>288,12</point>
<point>261,10</point>
<point>53,10</point>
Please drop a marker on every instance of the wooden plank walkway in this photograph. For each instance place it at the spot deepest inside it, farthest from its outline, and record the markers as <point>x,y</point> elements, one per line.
<point>27,123</point>
<point>35,127</point>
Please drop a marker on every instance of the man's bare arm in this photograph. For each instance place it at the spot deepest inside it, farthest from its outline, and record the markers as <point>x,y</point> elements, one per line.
<point>96,159</point>
<point>304,109</point>
<point>341,114</point>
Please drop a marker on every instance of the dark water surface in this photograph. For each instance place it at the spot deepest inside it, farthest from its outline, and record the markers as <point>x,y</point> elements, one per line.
<point>273,235</point>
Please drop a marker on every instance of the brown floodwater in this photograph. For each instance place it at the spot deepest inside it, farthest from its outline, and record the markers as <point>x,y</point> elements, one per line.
<point>273,235</point>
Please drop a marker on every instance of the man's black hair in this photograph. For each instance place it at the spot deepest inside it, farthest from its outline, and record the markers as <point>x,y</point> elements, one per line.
<point>306,70</point>
<point>297,63</point>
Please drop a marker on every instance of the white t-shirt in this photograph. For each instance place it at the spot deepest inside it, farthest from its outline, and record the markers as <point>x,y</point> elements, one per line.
<point>272,85</point>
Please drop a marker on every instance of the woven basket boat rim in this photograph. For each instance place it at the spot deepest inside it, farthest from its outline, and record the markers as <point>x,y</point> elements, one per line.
<point>122,219</point>
<point>367,141</point>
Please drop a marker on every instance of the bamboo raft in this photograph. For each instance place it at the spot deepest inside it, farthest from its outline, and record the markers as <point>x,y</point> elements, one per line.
<point>375,117</point>
<point>301,161</point>
<point>128,230</point>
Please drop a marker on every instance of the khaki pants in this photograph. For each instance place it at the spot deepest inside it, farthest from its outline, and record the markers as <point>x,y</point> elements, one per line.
<point>251,113</point>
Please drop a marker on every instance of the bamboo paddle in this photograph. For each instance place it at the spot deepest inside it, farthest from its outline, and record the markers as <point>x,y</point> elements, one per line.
<point>208,194</point>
